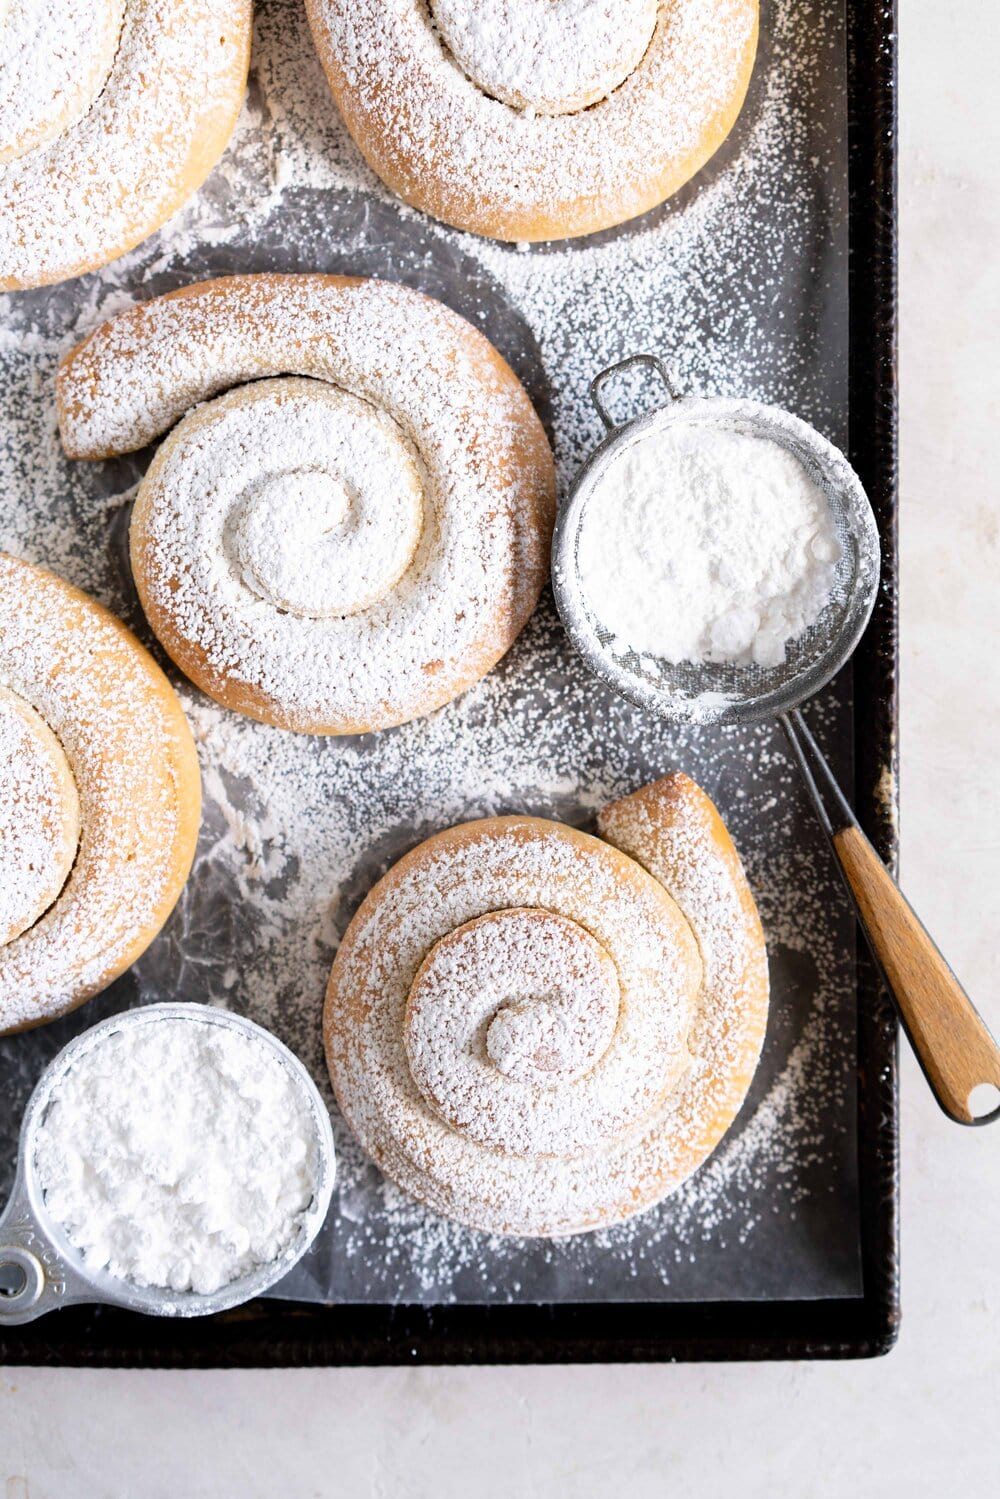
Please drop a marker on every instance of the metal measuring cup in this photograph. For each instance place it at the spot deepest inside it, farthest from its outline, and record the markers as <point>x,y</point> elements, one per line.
<point>952,1044</point>
<point>43,1270</point>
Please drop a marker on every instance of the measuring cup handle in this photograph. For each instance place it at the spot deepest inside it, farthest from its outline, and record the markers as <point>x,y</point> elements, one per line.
<point>648,361</point>
<point>947,1033</point>
<point>42,1279</point>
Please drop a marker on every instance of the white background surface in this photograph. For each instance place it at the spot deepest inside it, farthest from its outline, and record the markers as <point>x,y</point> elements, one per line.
<point>926,1418</point>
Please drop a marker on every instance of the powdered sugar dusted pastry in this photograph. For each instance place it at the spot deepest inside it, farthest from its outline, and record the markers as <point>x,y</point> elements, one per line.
<point>536,119</point>
<point>39,816</point>
<point>339,549</point>
<point>536,1031</point>
<point>99,797</point>
<point>111,115</point>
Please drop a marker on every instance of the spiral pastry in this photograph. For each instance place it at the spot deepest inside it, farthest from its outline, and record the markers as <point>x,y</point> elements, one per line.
<point>351,540</point>
<point>99,797</point>
<point>536,119</point>
<point>111,115</point>
<point>538,1032</point>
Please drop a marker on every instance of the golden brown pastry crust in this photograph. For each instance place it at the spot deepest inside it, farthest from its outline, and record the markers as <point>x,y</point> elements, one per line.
<point>666,827</point>
<point>449,149</point>
<point>153,133</point>
<point>484,453</point>
<point>133,760</point>
<point>465,1141</point>
<point>39,815</point>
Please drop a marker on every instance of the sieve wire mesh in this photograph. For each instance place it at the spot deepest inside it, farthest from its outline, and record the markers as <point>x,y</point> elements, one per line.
<point>709,692</point>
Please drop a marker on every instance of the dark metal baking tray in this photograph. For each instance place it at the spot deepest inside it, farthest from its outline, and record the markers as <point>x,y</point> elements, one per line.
<point>285,1333</point>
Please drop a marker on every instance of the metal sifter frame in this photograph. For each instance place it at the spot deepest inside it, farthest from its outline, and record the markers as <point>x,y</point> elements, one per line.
<point>271,1333</point>
<point>739,695</point>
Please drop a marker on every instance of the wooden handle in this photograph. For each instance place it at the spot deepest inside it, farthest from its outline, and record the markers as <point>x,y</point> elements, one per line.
<point>952,1044</point>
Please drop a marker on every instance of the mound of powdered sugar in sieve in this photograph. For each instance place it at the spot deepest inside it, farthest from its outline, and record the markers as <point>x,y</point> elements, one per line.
<point>704,544</point>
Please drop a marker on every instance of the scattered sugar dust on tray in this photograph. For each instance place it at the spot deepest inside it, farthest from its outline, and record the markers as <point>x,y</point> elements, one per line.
<point>741,286</point>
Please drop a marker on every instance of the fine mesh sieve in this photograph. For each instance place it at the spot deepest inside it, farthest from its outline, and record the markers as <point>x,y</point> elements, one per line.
<point>41,1270</point>
<point>954,1047</point>
<point>710,692</point>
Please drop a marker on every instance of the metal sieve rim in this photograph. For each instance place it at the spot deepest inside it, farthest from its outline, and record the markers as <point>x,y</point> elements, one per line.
<point>151,1299</point>
<point>822,460</point>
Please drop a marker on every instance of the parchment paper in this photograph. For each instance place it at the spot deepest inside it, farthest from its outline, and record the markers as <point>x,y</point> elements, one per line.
<point>740,285</point>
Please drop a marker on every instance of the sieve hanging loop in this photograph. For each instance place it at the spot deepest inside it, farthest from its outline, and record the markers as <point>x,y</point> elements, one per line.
<point>646,361</point>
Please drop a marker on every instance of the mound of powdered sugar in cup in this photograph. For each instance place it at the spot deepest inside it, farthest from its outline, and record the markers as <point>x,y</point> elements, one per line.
<point>178,1154</point>
<point>700,543</point>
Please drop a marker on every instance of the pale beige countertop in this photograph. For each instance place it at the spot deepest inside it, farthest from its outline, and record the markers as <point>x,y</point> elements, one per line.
<point>927,1419</point>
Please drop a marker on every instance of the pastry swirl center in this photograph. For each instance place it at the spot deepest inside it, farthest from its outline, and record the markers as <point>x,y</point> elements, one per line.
<point>506,1015</point>
<point>39,816</point>
<point>286,520</point>
<point>547,56</point>
<point>331,531</point>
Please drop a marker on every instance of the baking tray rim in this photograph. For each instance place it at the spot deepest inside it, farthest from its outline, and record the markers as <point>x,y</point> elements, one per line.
<point>285,1334</point>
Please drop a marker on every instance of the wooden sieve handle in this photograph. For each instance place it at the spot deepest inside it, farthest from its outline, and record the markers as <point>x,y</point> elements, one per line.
<point>951,1041</point>
<point>946,1031</point>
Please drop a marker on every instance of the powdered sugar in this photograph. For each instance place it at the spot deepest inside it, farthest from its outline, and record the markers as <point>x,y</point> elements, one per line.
<point>436,134</point>
<point>55,57</point>
<point>133,140</point>
<point>534,55</point>
<point>740,286</point>
<point>178,1154</point>
<point>39,817</point>
<point>545,991</point>
<point>311,540</point>
<point>701,543</point>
